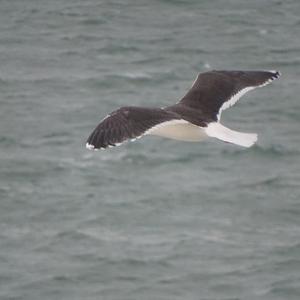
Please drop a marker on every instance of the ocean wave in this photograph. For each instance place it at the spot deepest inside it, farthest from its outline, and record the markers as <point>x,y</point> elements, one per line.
<point>116,49</point>
<point>135,75</point>
<point>285,289</point>
<point>149,60</point>
<point>93,21</point>
<point>80,37</point>
<point>285,50</point>
<point>7,141</point>
<point>137,261</point>
<point>189,51</point>
<point>289,250</point>
<point>289,61</point>
<point>147,77</point>
<point>268,181</point>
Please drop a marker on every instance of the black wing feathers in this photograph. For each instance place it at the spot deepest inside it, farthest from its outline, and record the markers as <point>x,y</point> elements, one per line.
<point>212,89</point>
<point>127,123</point>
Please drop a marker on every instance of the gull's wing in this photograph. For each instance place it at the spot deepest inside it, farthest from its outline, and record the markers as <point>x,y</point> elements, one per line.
<point>214,91</point>
<point>127,123</point>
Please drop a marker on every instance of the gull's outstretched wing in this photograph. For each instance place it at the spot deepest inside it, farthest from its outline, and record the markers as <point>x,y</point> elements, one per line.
<point>127,123</point>
<point>214,91</point>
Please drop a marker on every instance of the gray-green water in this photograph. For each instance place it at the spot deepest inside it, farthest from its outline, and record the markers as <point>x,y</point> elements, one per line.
<point>155,219</point>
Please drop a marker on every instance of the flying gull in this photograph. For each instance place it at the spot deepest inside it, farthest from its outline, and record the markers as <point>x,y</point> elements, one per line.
<point>196,116</point>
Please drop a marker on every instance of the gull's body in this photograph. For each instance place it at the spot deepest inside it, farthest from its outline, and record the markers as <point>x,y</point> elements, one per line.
<point>195,117</point>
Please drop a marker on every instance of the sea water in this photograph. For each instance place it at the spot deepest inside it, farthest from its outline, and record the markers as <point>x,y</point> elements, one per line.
<point>156,219</point>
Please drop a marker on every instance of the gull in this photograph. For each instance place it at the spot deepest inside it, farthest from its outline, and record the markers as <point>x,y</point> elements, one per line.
<point>195,117</point>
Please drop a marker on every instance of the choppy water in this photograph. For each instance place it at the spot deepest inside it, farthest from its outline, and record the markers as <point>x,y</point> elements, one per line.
<point>156,219</point>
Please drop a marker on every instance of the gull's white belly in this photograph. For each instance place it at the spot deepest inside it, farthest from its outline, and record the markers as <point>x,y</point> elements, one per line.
<point>182,131</point>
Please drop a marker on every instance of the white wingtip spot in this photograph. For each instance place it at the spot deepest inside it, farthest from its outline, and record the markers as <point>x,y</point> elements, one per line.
<point>276,74</point>
<point>275,71</point>
<point>89,146</point>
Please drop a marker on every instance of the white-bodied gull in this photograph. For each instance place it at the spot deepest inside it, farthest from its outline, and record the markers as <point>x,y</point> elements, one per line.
<point>196,116</point>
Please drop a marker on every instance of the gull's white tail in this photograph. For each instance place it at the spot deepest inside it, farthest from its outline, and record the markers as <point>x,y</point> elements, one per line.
<point>225,134</point>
